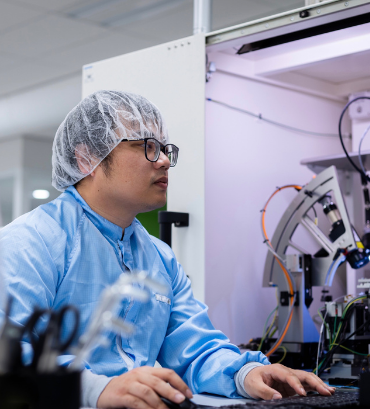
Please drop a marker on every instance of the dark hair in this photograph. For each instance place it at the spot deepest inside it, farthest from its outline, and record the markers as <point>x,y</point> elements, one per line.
<point>106,164</point>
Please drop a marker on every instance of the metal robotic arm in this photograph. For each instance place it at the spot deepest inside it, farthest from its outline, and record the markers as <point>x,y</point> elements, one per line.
<point>341,244</point>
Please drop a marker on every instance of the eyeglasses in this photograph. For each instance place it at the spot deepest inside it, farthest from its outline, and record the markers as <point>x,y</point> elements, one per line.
<point>153,148</point>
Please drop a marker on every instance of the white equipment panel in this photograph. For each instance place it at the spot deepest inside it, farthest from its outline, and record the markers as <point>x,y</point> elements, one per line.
<point>172,76</point>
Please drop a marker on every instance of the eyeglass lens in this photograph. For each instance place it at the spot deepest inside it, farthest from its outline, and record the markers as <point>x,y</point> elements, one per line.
<point>153,150</point>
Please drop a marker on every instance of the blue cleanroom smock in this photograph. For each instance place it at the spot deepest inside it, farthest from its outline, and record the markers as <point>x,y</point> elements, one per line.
<point>65,253</point>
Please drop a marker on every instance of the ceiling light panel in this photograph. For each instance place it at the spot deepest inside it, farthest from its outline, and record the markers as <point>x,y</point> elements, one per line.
<point>142,12</point>
<point>24,76</point>
<point>54,5</point>
<point>13,15</point>
<point>8,61</point>
<point>73,58</point>
<point>96,8</point>
<point>172,23</point>
<point>47,35</point>
<point>111,13</point>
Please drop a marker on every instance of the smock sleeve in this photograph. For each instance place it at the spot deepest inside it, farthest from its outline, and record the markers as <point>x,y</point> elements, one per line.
<point>200,354</point>
<point>31,267</point>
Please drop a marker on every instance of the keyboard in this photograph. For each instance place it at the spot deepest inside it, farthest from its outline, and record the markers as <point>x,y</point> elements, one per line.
<point>340,400</point>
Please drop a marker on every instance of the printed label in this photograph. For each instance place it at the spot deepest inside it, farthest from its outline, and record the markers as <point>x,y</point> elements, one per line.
<point>162,298</point>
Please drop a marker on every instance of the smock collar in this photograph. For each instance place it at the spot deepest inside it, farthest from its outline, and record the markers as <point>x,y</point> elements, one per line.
<point>106,227</point>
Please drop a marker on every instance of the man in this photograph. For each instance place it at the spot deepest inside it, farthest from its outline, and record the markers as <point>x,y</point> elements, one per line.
<point>111,158</point>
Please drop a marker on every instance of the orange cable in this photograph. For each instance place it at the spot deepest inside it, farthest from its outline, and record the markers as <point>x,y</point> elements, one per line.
<point>290,284</point>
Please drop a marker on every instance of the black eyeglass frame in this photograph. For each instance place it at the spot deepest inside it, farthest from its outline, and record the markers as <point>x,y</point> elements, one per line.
<point>162,149</point>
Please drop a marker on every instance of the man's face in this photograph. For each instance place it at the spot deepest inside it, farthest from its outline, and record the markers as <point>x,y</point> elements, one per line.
<point>133,182</point>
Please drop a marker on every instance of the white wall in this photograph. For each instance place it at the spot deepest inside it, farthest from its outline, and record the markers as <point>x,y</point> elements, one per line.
<point>245,160</point>
<point>25,165</point>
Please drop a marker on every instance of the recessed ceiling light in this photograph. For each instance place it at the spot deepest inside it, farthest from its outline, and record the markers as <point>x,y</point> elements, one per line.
<point>40,194</point>
<point>141,13</point>
<point>91,9</point>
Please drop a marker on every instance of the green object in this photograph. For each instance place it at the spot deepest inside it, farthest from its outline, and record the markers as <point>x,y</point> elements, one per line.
<point>350,350</point>
<point>150,221</point>
<point>264,334</point>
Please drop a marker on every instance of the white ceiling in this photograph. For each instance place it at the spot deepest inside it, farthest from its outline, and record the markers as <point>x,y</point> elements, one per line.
<point>44,43</point>
<point>347,68</point>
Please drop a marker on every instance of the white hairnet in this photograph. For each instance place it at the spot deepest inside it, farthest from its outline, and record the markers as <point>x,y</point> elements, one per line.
<point>95,127</point>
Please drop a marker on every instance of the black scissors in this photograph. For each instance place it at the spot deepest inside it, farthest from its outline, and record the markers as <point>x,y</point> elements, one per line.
<point>48,345</point>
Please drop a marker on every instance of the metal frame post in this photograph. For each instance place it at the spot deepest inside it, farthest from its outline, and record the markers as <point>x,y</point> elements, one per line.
<point>202,16</point>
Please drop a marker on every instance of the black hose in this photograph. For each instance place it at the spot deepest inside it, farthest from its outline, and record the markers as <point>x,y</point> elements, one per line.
<point>341,137</point>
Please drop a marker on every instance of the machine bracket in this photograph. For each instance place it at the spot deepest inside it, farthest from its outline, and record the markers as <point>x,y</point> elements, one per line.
<point>284,298</point>
<point>166,219</point>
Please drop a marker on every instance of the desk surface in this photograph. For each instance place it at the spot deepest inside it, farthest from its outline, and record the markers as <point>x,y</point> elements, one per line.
<point>214,400</point>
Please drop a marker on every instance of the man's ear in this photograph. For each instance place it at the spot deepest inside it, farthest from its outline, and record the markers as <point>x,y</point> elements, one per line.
<point>85,161</point>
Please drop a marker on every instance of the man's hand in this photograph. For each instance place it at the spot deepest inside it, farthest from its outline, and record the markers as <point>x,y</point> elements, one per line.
<point>140,387</point>
<point>277,381</point>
